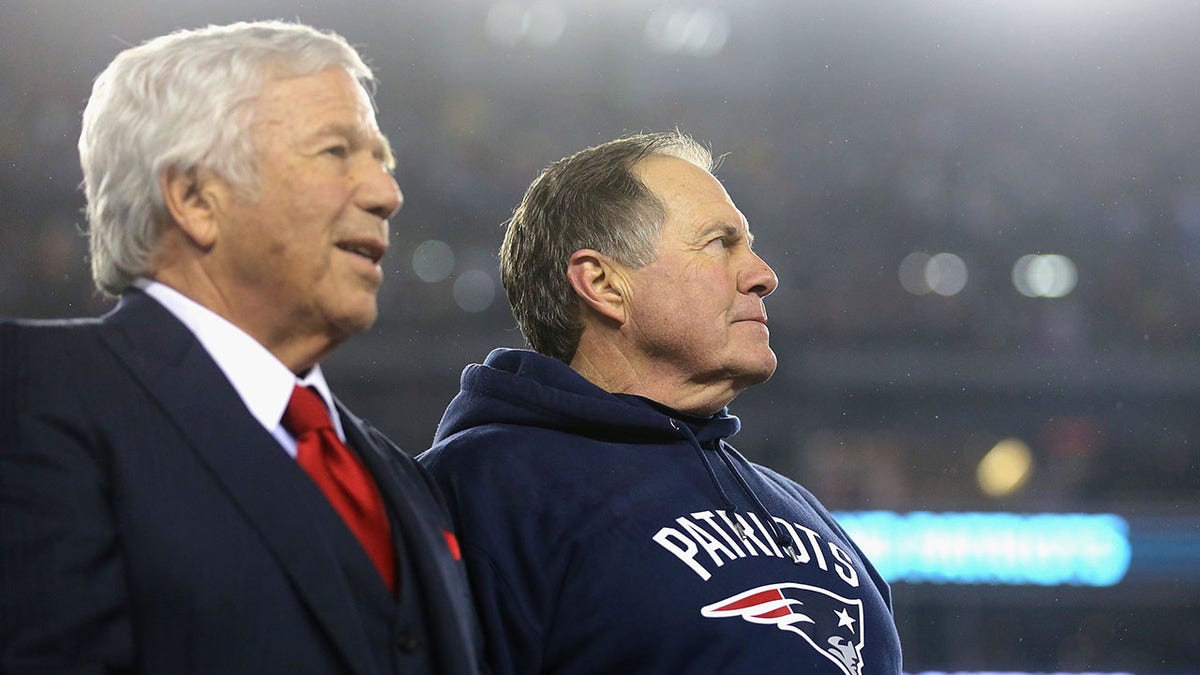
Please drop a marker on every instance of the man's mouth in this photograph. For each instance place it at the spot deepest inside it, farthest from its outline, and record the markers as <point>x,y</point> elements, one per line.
<point>372,251</point>
<point>757,318</point>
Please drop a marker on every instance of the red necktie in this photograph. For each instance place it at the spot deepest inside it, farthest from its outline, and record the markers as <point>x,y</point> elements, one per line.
<point>342,477</point>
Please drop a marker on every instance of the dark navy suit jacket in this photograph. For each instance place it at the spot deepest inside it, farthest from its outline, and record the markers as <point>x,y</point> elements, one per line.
<point>149,524</point>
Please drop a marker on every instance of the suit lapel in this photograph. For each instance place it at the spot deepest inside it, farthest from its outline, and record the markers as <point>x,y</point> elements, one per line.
<point>421,522</point>
<point>272,492</point>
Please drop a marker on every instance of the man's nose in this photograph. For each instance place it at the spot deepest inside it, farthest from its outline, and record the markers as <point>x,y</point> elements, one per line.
<point>759,278</point>
<point>380,193</point>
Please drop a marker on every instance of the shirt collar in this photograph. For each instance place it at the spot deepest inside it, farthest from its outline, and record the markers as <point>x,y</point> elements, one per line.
<point>261,380</point>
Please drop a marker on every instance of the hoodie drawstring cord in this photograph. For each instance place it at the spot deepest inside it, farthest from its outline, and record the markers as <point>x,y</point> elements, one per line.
<point>723,449</point>
<point>712,473</point>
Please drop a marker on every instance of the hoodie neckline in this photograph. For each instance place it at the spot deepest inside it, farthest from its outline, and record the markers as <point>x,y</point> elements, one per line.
<point>705,428</point>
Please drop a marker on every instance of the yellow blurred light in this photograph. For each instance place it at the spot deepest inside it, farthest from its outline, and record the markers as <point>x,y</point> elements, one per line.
<point>1005,468</point>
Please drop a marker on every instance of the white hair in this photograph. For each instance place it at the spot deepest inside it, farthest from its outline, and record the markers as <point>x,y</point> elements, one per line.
<point>180,101</point>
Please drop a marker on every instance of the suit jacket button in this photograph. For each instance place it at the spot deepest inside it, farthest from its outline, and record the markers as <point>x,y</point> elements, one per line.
<point>407,642</point>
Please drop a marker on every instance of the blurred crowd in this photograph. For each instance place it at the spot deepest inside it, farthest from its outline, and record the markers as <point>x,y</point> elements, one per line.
<point>842,174</point>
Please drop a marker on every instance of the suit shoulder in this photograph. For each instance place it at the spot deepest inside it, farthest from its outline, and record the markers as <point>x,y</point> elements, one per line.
<point>17,329</point>
<point>47,345</point>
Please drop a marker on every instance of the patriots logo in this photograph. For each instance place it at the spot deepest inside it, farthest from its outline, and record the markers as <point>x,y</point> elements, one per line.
<point>827,621</point>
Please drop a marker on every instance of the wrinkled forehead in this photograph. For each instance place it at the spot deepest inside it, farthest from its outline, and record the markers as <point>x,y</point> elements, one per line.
<point>322,103</point>
<point>331,94</point>
<point>284,92</point>
<point>691,195</point>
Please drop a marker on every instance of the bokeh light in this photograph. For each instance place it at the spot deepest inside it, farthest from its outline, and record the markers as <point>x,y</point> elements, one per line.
<point>694,32</point>
<point>474,291</point>
<point>539,24</point>
<point>1044,275</point>
<point>912,273</point>
<point>433,261</point>
<point>1005,468</point>
<point>943,273</point>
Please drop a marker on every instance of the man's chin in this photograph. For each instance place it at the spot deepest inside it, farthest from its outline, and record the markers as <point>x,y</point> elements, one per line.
<point>769,364</point>
<point>757,372</point>
<point>358,320</point>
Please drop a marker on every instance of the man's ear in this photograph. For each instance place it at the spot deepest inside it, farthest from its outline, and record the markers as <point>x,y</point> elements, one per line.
<point>599,283</point>
<point>192,203</point>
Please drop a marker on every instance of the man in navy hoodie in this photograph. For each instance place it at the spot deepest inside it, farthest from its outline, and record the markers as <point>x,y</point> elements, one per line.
<point>607,524</point>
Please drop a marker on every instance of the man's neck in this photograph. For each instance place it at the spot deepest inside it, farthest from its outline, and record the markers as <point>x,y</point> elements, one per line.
<point>614,371</point>
<point>298,352</point>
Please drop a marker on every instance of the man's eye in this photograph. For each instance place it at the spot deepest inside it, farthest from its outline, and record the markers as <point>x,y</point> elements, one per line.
<point>340,151</point>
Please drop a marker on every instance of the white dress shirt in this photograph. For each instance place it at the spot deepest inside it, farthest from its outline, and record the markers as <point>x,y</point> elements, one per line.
<point>261,380</point>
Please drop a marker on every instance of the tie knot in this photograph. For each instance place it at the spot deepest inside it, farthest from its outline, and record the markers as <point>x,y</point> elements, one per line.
<point>305,412</point>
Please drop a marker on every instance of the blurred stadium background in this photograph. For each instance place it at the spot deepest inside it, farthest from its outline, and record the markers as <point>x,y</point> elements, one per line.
<point>985,217</point>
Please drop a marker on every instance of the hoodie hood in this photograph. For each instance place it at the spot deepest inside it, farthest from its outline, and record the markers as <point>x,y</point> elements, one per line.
<point>524,388</point>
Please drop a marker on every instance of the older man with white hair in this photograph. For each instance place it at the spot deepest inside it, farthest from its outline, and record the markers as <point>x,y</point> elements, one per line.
<point>180,492</point>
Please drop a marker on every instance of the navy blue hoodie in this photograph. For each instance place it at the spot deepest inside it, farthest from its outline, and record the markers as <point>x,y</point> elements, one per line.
<point>606,533</point>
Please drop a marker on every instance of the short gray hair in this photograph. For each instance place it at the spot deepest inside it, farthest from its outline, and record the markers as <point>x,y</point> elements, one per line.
<point>181,101</point>
<point>591,199</point>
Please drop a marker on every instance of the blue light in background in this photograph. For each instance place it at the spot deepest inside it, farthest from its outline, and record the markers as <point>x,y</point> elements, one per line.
<point>1007,673</point>
<point>993,548</point>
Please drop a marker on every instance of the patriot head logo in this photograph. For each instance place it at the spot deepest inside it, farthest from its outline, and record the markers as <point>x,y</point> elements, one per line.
<point>830,623</point>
